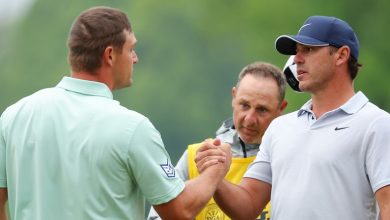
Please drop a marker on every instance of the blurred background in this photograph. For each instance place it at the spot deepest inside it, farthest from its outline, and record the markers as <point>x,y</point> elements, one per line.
<point>190,53</point>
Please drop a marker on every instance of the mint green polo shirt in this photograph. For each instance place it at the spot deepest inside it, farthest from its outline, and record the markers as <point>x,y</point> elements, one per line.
<point>72,152</point>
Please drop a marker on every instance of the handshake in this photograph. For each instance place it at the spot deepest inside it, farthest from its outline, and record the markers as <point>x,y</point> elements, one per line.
<point>215,155</point>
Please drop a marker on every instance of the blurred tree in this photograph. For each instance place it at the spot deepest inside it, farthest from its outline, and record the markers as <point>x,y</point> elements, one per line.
<point>190,54</point>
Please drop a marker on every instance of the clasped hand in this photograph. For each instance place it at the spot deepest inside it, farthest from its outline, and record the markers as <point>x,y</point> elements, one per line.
<point>213,152</point>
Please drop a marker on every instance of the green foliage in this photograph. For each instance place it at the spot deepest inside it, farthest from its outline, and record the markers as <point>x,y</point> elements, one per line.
<point>190,53</point>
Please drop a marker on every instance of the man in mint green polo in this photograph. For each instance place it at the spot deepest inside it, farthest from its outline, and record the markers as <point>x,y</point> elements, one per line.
<point>72,152</point>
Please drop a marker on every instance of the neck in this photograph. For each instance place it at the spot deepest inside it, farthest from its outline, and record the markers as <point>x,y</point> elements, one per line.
<point>96,76</point>
<point>332,97</point>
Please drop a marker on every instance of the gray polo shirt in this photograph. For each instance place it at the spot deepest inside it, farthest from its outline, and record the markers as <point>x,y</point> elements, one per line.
<point>326,168</point>
<point>72,152</point>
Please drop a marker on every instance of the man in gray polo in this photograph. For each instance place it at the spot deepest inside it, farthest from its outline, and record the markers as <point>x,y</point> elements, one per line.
<point>329,159</point>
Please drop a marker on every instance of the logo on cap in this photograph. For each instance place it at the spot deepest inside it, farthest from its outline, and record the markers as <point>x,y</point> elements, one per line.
<point>303,27</point>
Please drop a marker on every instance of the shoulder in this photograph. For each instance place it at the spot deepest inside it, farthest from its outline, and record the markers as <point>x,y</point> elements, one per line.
<point>377,118</point>
<point>127,117</point>
<point>129,114</point>
<point>374,110</point>
<point>285,119</point>
<point>372,114</point>
<point>36,99</point>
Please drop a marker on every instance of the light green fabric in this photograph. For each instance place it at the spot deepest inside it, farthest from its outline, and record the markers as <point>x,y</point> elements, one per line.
<point>72,152</point>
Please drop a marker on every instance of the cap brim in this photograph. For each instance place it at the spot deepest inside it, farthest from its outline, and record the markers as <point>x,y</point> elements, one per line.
<point>287,44</point>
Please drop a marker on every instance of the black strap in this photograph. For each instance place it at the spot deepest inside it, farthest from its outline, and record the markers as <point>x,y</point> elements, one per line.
<point>243,147</point>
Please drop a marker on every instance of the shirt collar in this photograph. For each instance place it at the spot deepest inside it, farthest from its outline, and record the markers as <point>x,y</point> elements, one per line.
<point>353,105</point>
<point>306,108</point>
<point>85,87</point>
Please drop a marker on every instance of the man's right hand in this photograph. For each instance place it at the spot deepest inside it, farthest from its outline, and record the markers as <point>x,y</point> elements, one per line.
<point>213,152</point>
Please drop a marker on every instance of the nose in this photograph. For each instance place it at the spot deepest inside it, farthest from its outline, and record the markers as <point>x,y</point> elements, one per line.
<point>250,117</point>
<point>298,59</point>
<point>134,57</point>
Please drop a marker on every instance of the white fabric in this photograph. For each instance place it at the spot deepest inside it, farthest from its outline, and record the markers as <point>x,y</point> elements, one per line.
<point>329,168</point>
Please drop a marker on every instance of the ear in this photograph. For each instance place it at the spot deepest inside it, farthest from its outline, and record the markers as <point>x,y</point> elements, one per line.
<point>343,54</point>
<point>108,55</point>
<point>283,106</point>
<point>234,91</point>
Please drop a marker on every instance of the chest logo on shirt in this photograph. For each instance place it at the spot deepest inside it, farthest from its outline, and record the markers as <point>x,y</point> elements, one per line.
<point>169,170</point>
<point>340,128</point>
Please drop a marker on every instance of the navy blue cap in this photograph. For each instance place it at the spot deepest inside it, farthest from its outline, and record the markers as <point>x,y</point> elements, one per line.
<point>320,31</point>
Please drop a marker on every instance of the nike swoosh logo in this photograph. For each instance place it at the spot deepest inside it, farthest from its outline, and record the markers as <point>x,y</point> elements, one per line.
<point>340,128</point>
<point>303,27</point>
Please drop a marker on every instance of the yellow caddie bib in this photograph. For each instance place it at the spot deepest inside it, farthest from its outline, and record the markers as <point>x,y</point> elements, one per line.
<point>235,174</point>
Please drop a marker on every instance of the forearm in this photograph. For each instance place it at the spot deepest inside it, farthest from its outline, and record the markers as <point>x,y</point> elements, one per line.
<point>244,201</point>
<point>384,211</point>
<point>232,199</point>
<point>3,201</point>
<point>200,190</point>
<point>383,198</point>
<point>3,216</point>
<point>196,194</point>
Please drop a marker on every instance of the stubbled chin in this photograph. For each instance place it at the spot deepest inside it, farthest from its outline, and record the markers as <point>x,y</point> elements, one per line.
<point>249,139</point>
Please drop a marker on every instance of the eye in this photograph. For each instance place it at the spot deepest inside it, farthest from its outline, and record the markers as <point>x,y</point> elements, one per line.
<point>305,50</point>
<point>262,110</point>
<point>244,105</point>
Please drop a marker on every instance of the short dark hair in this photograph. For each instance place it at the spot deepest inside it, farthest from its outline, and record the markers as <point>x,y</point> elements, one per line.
<point>265,70</point>
<point>90,34</point>
<point>353,67</point>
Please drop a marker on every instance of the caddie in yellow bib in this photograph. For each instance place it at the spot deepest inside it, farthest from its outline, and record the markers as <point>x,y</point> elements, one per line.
<point>257,99</point>
<point>235,174</point>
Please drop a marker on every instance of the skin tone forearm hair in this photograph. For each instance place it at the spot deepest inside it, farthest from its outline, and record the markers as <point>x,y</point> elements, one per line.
<point>3,200</point>
<point>198,191</point>
<point>383,198</point>
<point>250,195</point>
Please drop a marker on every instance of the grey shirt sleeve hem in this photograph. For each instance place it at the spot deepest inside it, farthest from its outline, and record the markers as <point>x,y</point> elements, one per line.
<point>261,171</point>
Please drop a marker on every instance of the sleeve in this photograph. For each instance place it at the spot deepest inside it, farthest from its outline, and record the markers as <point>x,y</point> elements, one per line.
<point>3,172</point>
<point>151,165</point>
<point>182,171</point>
<point>378,154</point>
<point>261,167</point>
